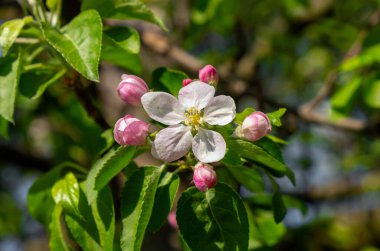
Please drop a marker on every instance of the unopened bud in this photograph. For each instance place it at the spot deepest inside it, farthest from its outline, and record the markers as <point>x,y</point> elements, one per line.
<point>131,88</point>
<point>204,176</point>
<point>256,126</point>
<point>208,74</point>
<point>186,81</point>
<point>130,131</point>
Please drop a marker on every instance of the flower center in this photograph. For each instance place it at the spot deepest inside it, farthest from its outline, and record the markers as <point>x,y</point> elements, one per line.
<point>193,118</point>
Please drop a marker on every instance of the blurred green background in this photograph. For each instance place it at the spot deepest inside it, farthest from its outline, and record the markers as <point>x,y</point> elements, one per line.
<point>318,58</point>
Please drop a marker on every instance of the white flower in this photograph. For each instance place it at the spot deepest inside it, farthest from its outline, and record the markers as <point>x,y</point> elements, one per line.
<point>196,106</point>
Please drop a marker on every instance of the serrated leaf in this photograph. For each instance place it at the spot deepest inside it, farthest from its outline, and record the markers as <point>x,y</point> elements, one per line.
<point>65,193</point>
<point>39,198</point>
<point>123,9</point>
<point>136,207</point>
<point>248,177</point>
<point>106,168</point>
<point>275,117</point>
<point>239,118</point>
<point>164,199</point>
<point>79,42</point>
<point>33,84</point>
<point>371,93</point>
<point>58,238</point>
<point>9,79</point>
<point>256,153</point>
<point>121,53</point>
<point>95,230</point>
<point>9,31</point>
<point>215,220</point>
<point>168,80</point>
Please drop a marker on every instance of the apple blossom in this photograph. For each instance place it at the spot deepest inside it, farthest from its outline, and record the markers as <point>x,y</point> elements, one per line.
<point>256,126</point>
<point>130,131</point>
<point>195,108</point>
<point>204,177</point>
<point>131,88</point>
<point>208,74</point>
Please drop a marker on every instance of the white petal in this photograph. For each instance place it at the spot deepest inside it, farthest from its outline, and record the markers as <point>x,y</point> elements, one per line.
<point>172,142</point>
<point>209,146</point>
<point>163,108</point>
<point>197,94</point>
<point>220,111</point>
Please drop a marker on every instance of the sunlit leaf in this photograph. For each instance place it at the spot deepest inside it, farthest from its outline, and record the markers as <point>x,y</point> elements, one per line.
<point>275,117</point>
<point>58,236</point>
<point>106,168</point>
<point>79,42</point>
<point>239,118</point>
<point>123,9</point>
<point>9,31</point>
<point>9,79</point>
<point>137,203</point>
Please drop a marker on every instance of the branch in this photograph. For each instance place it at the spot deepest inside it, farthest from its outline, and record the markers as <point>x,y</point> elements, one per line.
<point>162,45</point>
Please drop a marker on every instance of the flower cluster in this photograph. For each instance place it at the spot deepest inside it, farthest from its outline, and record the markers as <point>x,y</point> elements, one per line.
<point>191,120</point>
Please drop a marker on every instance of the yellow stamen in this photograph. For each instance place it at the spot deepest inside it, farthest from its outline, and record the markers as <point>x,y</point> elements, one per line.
<point>193,118</point>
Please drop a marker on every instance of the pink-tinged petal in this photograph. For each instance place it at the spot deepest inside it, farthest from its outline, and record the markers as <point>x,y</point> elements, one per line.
<point>172,143</point>
<point>204,176</point>
<point>197,94</point>
<point>256,126</point>
<point>130,131</point>
<point>131,88</point>
<point>163,108</point>
<point>208,146</point>
<point>208,74</point>
<point>186,81</point>
<point>220,111</point>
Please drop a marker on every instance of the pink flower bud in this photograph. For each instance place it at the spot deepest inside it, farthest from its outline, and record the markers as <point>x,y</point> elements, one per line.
<point>172,220</point>
<point>186,81</point>
<point>131,88</point>
<point>256,126</point>
<point>130,131</point>
<point>208,74</point>
<point>204,176</point>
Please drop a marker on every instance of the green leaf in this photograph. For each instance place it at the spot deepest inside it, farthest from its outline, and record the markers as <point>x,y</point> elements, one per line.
<point>366,58</point>
<point>106,168</point>
<point>58,237</point>
<point>256,153</point>
<point>9,79</point>
<point>39,198</point>
<point>279,209</point>
<point>239,118</point>
<point>168,80</point>
<point>53,4</point>
<point>136,207</point>
<point>263,230</point>
<point>79,42</point>
<point>166,192</point>
<point>275,117</point>
<point>34,83</point>
<point>9,31</point>
<point>122,52</point>
<point>65,193</point>
<point>95,230</point>
<point>344,98</point>
<point>123,9</point>
<point>232,159</point>
<point>248,177</point>
<point>126,38</point>
<point>372,93</point>
<point>3,128</point>
<point>215,220</point>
